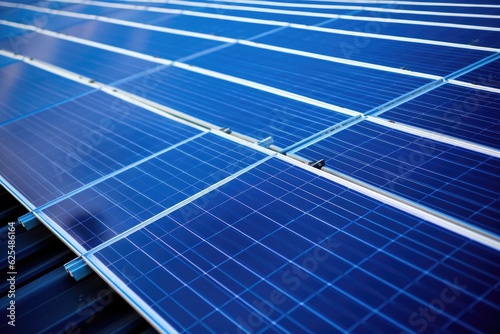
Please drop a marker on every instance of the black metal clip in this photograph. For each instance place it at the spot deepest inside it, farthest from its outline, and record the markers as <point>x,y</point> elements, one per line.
<point>318,164</point>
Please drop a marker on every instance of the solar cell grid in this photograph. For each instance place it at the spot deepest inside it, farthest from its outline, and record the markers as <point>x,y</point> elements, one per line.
<point>488,37</point>
<point>96,10</point>
<point>261,15</point>
<point>27,89</point>
<point>202,232</point>
<point>159,44</point>
<point>46,21</point>
<point>455,181</point>
<point>447,17</point>
<point>378,51</point>
<point>487,75</point>
<point>72,144</point>
<point>463,112</point>
<point>325,81</point>
<point>121,202</point>
<point>289,264</point>
<point>252,112</point>
<point>82,59</point>
<point>5,61</point>
<point>233,29</point>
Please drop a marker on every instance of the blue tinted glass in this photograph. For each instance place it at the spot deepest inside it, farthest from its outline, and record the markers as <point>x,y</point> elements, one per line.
<point>294,270</point>
<point>455,181</point>
<point>79,141</point>
<point>119,203</point>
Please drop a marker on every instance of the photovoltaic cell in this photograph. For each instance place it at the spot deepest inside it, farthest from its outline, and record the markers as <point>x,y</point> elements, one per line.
<point>86,9</point>
<point>4,61</point>
<point>27,89</point>
<point>425,58</point>
<point>487,75</point>
<point>463,112</point>
<point>475,21</point>
<point>217,27</point>
<point>121,202</point>
<point>274,246</point>
<point>262,15</point>
<point>56,151</point>
<point>334,83</point>
<point>82,59</point>
<point>249,111</point>
<point>450,179</point>
<point>282,249</point>
<point>42,20</point>
<point>158,44</point>
<point>455,9</point>
<point>444,34</point>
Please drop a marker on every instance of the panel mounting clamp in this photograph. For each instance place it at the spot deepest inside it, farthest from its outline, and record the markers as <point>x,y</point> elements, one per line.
<point>266,142</point>
<point>28,221</point>
<point>78,269</point>
<point>318,164</point>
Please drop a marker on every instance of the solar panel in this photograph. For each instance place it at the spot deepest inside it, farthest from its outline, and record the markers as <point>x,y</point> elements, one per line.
<point>486,75</point>
<point>252,112</point>
<point>20,97</point>
<point>282,249</point>
<point>466,113</point>
<point>178,148</point>
<point>455,181</point>
<point>488,37</point>
<point>325,81</point>
<point>159,44</point>
<point>117,203</point>
<point>49,154</point>
<point>91,63</point>
<point>375,50</point>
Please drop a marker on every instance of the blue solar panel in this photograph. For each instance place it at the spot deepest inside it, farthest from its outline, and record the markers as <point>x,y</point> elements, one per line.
<point>119,203</point>
<point>79,141</point>
<point>259,15</point>
<point>4,61</point>
<point>487,75</point>
<point>453,180</point>
<point>477,21</point>
<point>208,232</point>
<point>216,27</point>
<point>85,60</point>
<point>27,89</point>
<point>281,249</point>
<point>338,84</point>
<point>87,9</point>
<point>446,34</point>
<point>8,34</point>
<point>470,7</point>
<point>252,112</point>
<point>158,44</point>
<point>425,58</point>
<point>45,21</point>
<point>463,112</point>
